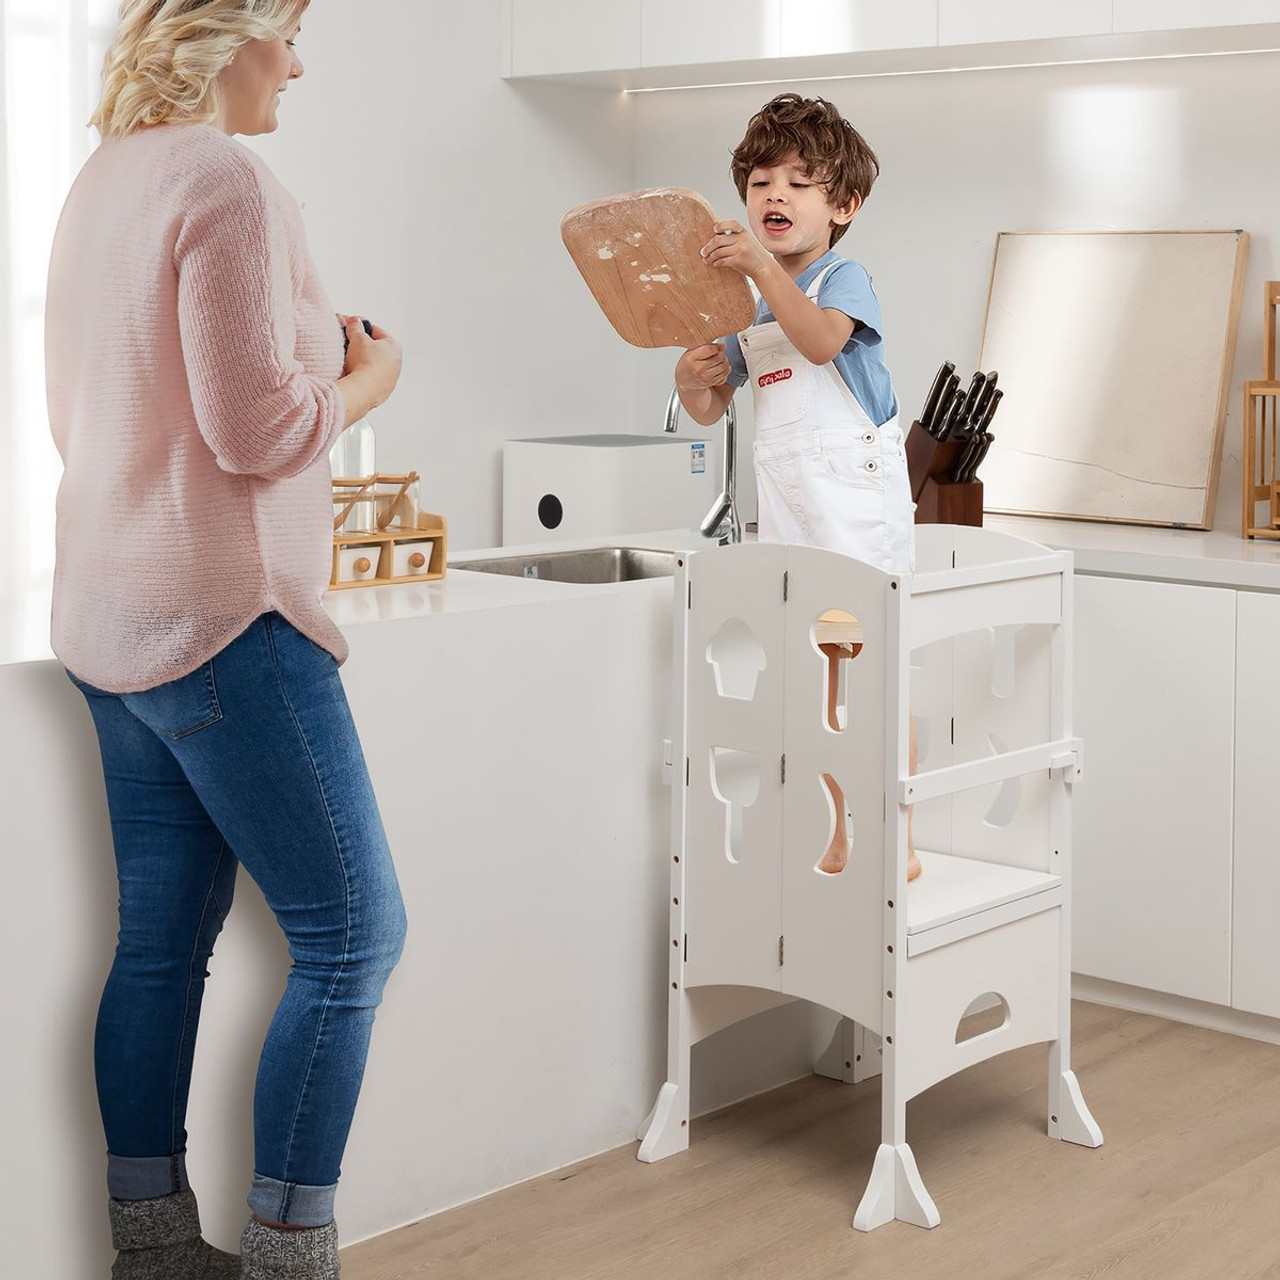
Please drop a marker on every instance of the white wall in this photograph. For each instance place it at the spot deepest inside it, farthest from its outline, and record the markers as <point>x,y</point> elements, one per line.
<point>1184,144</point>
<point>433,193</point>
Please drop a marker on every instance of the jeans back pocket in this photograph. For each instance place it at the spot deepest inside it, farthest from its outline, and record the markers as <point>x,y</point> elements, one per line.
<point>180,707</point>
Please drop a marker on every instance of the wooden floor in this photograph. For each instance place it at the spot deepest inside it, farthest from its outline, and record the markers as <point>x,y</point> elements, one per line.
<point>1187,1184</point>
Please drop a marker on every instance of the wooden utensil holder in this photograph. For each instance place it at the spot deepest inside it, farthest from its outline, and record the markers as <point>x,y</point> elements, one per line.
<point>401,552</point>
<point>930,465</point>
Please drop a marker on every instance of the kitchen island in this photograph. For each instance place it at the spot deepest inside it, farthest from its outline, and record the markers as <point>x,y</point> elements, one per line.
<point>514,733</point>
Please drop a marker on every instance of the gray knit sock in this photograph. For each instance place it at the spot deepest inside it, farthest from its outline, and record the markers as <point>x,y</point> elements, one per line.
<point>160,1240</point>
<point>267,1253</point>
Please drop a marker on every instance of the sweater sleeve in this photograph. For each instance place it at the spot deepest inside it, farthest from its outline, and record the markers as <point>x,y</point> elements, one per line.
<point>255,405</point>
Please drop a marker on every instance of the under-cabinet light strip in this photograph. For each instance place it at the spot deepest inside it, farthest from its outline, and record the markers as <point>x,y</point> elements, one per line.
<point>939,71</point>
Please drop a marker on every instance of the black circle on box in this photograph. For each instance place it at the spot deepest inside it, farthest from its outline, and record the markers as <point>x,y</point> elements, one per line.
<point>550,512</point>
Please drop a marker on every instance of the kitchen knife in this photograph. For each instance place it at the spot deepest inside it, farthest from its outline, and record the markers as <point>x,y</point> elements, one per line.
<point>948,427</point>
<point>992,405</point>
<point>986,438</point>
<point>968,416</point>
<point>945,405</point>
<point>960,472</point>
<point>934,398</point>
<point>988,390</point>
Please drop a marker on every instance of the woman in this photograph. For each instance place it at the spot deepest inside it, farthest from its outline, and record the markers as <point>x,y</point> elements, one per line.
<point>196,383</point>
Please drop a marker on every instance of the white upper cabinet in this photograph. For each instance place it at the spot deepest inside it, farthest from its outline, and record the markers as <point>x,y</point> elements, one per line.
<point>994,21</point>
<point>1172,15</point>
<point>652,44</point>
<point>814,28</point>
<point>678,32</point>
<point>556,37</point>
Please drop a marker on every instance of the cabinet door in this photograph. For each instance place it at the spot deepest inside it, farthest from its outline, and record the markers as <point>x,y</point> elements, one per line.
<point>1155,700</point>
<point>990,21</point>
<point>811,28</point>
<point>1173,15</point>
<point>553,37</point>
<point>678,32</point>
<point>1255,937</point>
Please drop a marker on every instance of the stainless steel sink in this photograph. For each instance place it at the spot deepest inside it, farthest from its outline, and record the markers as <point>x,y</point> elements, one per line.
<point>595,564</point>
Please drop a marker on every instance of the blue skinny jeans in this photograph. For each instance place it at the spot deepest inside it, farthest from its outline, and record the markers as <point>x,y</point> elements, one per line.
<point>253,758</point>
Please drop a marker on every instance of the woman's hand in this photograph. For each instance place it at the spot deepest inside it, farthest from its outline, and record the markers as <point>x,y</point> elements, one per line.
<point>733,246</point>
<point>702,368</point>
<point>372,368</point>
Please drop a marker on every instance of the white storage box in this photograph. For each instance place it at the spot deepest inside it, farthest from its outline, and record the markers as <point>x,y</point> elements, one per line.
<point>597,485</point>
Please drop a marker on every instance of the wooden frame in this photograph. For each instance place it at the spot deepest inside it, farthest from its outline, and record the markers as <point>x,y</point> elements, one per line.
<point>1109,399</point>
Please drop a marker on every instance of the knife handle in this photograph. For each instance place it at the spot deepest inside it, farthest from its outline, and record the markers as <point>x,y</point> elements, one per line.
<point>934,399</point>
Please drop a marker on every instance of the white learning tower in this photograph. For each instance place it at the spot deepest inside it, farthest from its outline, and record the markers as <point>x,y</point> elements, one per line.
<point>977,645</point>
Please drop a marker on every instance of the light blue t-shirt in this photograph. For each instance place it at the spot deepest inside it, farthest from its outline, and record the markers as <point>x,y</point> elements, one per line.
<point>861,363</point>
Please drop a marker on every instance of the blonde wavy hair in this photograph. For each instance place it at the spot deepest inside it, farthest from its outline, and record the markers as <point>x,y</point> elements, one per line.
<point>164,61</point>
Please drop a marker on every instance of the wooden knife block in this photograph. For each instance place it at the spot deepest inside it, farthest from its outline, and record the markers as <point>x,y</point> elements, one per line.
<point>938,499</point>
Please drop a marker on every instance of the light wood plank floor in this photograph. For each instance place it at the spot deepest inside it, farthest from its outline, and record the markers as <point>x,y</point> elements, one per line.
<point>1187,1184</point>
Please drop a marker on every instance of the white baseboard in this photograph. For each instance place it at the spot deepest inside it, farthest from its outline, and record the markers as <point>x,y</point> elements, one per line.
<point>1216,1017</point>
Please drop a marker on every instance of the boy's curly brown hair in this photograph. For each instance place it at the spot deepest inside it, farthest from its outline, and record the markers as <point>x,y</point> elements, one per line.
<point>835,154</point>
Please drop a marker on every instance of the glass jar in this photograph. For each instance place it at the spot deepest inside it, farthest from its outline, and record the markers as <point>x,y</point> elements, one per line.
<point>354,457</point>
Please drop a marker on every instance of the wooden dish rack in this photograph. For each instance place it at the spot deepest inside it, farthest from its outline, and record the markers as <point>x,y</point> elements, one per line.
<point>1261,408</point>
<point>411,548</point>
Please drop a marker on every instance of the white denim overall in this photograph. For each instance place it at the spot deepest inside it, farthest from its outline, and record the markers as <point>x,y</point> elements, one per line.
<point>826,475</point>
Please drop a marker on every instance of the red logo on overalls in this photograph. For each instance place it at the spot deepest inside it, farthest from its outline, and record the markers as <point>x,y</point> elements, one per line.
<point>768,379</point>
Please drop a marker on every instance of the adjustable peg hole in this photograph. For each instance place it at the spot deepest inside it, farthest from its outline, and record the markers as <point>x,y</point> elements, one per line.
<point>675,942</point>
<point>890,904</point>
<point>887,1039</point>
<point>1053,1119</point>
<point>889,948</point>
<point>889,994</point>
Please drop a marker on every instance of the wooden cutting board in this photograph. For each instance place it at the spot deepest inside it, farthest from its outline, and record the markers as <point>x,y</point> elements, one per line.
<point>640,254</point>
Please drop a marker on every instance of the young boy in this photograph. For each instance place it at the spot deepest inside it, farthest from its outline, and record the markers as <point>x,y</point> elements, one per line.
<point>829,461</point>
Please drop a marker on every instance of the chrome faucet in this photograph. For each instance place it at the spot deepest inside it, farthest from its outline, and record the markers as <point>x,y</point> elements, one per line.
<point>721,522</point>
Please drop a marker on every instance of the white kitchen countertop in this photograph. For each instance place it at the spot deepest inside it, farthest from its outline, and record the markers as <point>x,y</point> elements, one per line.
<point>1219,557</point>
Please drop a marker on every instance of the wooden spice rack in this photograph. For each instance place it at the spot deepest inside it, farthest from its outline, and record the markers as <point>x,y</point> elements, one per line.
<point>1261,409</point>
<point>412,548</point>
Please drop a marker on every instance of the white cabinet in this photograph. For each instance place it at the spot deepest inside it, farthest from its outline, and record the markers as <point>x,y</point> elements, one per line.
<point>1155,676</point>
<point>679,32</point>
<point>994,21</point>
<point>1176,15</point>
<point>555,37</point>
<point>814,28</point>
<point>1255,937</point>
<point>651,44</point>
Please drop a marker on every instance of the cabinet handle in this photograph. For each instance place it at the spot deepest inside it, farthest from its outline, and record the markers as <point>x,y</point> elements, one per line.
<point>363,565</point>
<point>417,560</point>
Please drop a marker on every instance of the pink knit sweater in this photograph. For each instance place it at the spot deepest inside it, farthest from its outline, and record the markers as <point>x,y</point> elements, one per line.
<point>192,361</point>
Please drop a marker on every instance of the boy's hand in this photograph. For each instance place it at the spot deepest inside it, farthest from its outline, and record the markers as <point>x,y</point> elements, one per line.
<point>733,246</point>
<point>702,368</point>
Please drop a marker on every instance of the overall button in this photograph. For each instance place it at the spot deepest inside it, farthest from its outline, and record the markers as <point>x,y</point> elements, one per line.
<point>868,437</point>
<point>872,464</point>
